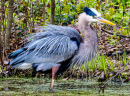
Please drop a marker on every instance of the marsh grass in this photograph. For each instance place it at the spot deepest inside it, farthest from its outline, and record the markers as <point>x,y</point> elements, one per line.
<point>105,64</point>
<point>99,63</point>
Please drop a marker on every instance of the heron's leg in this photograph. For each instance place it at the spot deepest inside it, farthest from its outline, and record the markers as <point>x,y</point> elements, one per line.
<point>54,70</point>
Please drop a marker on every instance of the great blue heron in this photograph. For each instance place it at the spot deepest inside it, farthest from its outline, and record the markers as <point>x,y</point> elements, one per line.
<point>58,47</point>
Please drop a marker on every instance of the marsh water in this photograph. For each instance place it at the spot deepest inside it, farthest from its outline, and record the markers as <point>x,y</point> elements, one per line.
<point>40,87</point>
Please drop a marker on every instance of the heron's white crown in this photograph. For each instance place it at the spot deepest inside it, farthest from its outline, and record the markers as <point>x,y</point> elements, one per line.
<point>95,11</point>
<point>86,19</point>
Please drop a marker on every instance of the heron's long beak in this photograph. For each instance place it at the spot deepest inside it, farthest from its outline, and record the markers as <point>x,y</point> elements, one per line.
<point>105,21</point>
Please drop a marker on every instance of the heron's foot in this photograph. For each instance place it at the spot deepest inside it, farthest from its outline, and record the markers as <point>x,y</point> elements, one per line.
<point>51,90</point>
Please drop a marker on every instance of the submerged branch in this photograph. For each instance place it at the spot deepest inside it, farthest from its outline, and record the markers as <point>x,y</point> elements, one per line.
<point>116,73</point>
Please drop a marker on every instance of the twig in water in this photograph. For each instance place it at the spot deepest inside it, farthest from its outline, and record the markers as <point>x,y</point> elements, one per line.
<point>117,73</point>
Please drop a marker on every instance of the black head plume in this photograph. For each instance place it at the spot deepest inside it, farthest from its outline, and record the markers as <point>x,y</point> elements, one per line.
<point>89,12</point>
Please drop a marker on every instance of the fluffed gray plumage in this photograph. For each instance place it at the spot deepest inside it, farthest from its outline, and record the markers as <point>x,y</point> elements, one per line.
<point>55,44</point>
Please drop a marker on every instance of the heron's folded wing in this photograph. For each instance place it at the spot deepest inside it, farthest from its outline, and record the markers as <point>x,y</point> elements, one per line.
<point>50,49</point>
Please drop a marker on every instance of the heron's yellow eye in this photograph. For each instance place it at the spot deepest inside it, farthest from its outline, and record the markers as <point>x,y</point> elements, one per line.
<point>94,17</point>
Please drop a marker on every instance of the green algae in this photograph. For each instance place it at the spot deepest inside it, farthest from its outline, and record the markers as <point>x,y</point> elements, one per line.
<point>40,87</point>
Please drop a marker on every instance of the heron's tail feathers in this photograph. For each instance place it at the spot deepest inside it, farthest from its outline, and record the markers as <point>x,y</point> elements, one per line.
<point>15,53</point>
<point>23,66</point>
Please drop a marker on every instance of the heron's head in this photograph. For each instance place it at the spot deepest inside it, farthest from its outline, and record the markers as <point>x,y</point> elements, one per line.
<point>92,15</point>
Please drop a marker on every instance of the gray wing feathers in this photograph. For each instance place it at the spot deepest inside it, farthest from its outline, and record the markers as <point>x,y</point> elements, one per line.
<point>51,45</point>
<point>55,30</point>
<point>50,49</point>
<point>56,50</point>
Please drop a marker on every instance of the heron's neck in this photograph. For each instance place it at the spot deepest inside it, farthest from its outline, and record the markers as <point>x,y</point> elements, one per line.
<point>88,32</point>
<point>88,48</point>
<point>85,27</point>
